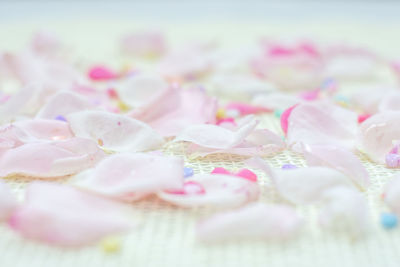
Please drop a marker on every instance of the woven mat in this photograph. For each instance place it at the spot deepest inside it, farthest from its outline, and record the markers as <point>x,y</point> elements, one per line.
<point>166,237</point>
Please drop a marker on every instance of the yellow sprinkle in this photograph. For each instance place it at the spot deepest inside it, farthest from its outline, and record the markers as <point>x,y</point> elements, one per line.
<point>111,244</point>
<point>100,142</point>
<point>122,106</point>
<point>221,113</point>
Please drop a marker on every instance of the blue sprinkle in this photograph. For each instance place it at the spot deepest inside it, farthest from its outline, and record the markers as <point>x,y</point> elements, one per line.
<point>278,113</point>
<point>289,166</point>
<point>60,118</point>
<point>187,172</point>
<point>341,98</point>
<point>388,220</point>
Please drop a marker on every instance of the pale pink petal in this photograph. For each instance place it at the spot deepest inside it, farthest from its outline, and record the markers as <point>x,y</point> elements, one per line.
<point>187,63</point>
<point>144,44</point>
<point>50,159</point>
<point>377,134</point>
<point>254,221</point>
<point>280,61</point>
<point>178,109</point>
<point>43,129</point>
<point>302,185</point>
<point>8,202</point>
<point>31,131</point>
<point>391,194</point>
<point>339,159</point>
<point>62,215</point>
<point>276,101</point>
<point>390,101</point>
<point>344,209</point>
<point>130,176</point>
<point>216,137</point>
<point>260,142</point>
<point>350,63</point>
<point>322,123</point>
<point>45,43</point>
<point>377,99</point>
<point>238,86</point>
<point>22,102</point>
<point>62,104</point>
<point>141,89</point>
<point>114,132</point>
<point>213,190</point>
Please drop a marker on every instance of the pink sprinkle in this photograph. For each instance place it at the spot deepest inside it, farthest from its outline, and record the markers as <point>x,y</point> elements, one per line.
<point>363,117</point>
<point>119,123</point>
<point>220,170</point>
<point>245,109</point>
<point>247,174</point>
<point>310,95</point>
<point>112,93</point>
<point>226,120</point>
<point>101,73</point>
<point>285,117</point>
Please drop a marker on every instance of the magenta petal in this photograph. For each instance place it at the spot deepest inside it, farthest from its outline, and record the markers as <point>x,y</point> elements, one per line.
<point>62,215</point>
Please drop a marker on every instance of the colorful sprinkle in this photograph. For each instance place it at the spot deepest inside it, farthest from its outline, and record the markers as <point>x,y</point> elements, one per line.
<point>101,73</point>
<point>187,172</point>
<point>289,166</point>
<point>60,118</point>
<point>278,113</point>
<point>111,244</point>
<point>388,220</point>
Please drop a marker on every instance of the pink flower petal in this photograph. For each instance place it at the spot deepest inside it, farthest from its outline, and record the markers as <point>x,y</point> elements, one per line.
<point>144,44</point>
<point>260,142</point>
<point>377,134</point>
<point>114,132</point>
<point>8,202</point>
<point>344,209</point>
<point>177,109</point>
<point>50,159</point>
<point>62,215</point>
<point>302,185</point>
<point>142,89</point>
<point>216,137</point>
<point>218,191</point>
<point>323,124</point>
<point>63,103</point>
<point>254,221</point>
<point>391,194</point>
<point>130,176</point>
<point>339,159</point>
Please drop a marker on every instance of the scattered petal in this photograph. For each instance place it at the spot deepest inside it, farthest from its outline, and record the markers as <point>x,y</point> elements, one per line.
<point>8,202</point>
<point>302,185</point>
<point>50,159</point>
<point>131,176</point>
<point>62,215</point>
<point>116,132</point>
<point>218,191</point>
<point>257,220</point>
<point>340,159</point>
